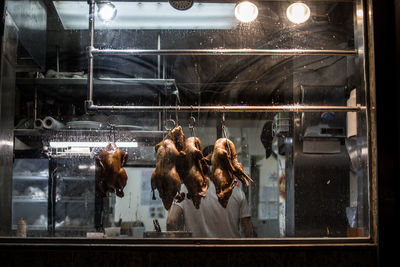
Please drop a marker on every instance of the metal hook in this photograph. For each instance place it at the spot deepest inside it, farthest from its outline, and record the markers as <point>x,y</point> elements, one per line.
<point>112,131</point>
<point>192,122</point>
<point>224,133</point>
<point>170,124</point>
<point>223,125</point>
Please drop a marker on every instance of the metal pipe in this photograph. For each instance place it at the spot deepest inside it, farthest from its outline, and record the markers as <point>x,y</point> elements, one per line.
<point>283,108</point>
<point>238,52</point>
<point>90,48</point>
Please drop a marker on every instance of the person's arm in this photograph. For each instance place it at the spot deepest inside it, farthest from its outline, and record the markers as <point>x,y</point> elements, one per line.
<point>175,212</point>
<point>247,227</point>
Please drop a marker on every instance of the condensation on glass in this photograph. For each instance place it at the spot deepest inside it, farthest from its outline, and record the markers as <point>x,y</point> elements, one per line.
<point>290,95</point>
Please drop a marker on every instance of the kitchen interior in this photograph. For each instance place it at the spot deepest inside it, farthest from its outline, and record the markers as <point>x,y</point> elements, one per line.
<point>290,95</point>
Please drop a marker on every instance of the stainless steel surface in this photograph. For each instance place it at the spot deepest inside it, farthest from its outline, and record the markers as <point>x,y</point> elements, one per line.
<point>230,52</point>
<point>287,108</point>
<point>363,192</point>
<point>30,16</point>
<point>7,101</point>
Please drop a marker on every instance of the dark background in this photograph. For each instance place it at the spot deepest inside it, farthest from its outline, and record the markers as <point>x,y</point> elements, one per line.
<point>387,61</point>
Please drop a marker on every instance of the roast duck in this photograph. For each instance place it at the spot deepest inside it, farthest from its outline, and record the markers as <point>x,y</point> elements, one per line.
<point>225,167</point>
<point>181,161</point>
<point>195,171</point>
<point>111,177</point>
<point>165,177</point>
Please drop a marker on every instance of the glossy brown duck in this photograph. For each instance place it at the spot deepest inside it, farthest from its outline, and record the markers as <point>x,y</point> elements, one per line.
<point>111,177</point>
<point>225,167</point>
<point>165,177</point>
<point>195,171</point>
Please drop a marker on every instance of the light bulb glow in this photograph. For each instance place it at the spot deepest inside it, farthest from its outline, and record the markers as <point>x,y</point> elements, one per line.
<point>107,11</point>
<point>298,13</point>
<point>246,11</point>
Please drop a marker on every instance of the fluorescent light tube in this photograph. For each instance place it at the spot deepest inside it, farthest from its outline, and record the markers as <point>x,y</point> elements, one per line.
<point>55,144</point>
<point>150,15</point>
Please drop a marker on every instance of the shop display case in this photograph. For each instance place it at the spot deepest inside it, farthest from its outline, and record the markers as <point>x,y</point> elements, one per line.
<point>289,87</point>
<point>30,195</point>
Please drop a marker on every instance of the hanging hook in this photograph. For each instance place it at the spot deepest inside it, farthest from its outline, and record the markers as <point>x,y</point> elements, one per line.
<point>224,134</point>
<point>192,122</point>
<point>223,125</point>
<point>170,124</point>
<point>112,131</point>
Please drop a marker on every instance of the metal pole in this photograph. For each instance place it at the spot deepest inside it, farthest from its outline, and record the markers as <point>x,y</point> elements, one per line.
<point>237,109</point>
<point>230,52</point>
<point>90,55</point>
<point>158,77</point>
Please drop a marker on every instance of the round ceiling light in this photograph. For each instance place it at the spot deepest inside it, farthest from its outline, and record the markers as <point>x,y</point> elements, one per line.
<point>246,11</point>
<point>106,11</point>
<point>298,13</point>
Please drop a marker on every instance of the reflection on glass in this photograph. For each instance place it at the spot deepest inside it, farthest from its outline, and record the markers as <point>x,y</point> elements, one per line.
<point>246,11</point>
<point>298,13</point>
<point>310,169</point>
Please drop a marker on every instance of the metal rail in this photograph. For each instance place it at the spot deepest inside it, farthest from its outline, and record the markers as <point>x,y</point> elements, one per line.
<point>283,108</point>
<point>92,51</point>
<point>235,52</point>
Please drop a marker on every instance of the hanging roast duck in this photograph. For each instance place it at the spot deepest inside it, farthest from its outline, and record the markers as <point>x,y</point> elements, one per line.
<point>225,167</point>
<point>111,177</point>
<point>165,177</point>
<point>194,171</point>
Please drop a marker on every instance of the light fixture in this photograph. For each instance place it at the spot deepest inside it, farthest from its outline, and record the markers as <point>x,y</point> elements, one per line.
<point>246,11</point>
<point>149,16</point>
<point>55,144</point>
<point>106,11</point>
<point>298,13</point>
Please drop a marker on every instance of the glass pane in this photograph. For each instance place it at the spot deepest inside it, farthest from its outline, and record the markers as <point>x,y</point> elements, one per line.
<point>289,96</point>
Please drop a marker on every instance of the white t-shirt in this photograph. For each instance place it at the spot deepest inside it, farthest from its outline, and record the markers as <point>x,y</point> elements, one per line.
<point>211,219</point>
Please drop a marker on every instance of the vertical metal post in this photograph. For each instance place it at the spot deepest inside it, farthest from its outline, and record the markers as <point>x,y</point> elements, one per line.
<point>159,76</point>
<point>8,59</point>
<point>92,6</point>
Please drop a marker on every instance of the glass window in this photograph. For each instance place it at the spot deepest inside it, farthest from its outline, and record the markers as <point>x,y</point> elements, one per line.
<point>182,119</point>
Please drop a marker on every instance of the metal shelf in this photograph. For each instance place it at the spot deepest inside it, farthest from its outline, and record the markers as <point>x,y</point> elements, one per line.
<point>76,200</point>
<point>76,178</point>
<point>29,200</point>
<point>76,87</point>
<point>97,81</point>
<point>32,227</point>
<point>31,178</point>
<point>285,108</point>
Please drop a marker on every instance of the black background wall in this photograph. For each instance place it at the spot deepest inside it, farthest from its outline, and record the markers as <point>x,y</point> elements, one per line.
<point>387,57</point>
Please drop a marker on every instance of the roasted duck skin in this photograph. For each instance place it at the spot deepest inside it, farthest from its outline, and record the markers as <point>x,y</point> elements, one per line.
<point>226,166</point>
<point>177,136</point>
<point>195,171</point>
<point>165,177</point>
<point>111,177</point>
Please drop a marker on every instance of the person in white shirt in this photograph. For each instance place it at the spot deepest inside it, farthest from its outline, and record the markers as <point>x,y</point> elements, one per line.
<point>211,219</point>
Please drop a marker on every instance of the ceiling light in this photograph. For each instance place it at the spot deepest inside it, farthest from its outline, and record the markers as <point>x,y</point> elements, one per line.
<point>106,11</point>
<point>246,11</point>
<point>298,13</point>
<point>150,15</point>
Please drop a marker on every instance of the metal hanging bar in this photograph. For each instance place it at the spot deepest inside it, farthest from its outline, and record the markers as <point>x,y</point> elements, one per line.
<point>238,52</point>
<point>283,108</point>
